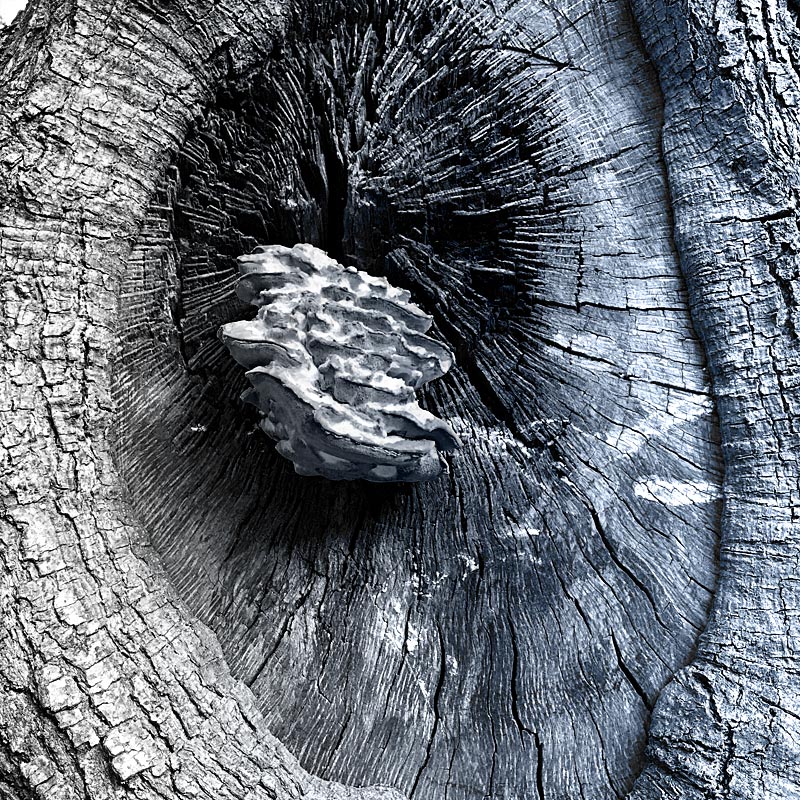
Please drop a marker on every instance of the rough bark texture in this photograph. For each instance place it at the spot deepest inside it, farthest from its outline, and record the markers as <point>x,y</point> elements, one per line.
<point>108,687</point>
<point>729,726</point>
<point>506,630</point>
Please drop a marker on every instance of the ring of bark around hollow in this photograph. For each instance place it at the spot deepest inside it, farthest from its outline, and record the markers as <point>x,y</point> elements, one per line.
<point>508,629</point>
<point>109,686</point>
<point>334,357</point>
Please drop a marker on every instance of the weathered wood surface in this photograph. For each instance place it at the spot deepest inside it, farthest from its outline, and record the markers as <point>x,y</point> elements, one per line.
<point>505,631</point>
<point>730,725</point>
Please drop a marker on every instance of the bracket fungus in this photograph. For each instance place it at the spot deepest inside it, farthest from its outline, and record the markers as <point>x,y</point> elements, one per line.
<point>334,357</point>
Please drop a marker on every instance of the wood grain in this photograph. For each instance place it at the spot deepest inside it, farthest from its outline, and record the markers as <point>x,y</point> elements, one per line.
<point>506,630</point>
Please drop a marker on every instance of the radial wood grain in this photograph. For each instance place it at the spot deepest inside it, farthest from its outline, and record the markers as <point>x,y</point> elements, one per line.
<point>506,630</point>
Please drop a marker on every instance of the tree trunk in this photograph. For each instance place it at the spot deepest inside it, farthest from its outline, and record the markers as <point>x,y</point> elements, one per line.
<point>175,597</point>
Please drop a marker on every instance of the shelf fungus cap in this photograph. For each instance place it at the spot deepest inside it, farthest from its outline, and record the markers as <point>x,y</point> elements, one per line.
<point>334,357</point>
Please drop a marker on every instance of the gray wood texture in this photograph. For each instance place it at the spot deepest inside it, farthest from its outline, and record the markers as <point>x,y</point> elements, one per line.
<point>729,725</point>
<point>590,200</point>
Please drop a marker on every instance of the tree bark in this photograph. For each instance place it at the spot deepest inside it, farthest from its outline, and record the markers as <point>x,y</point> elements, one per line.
<point>174,595</point>
<point>728,725</point>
